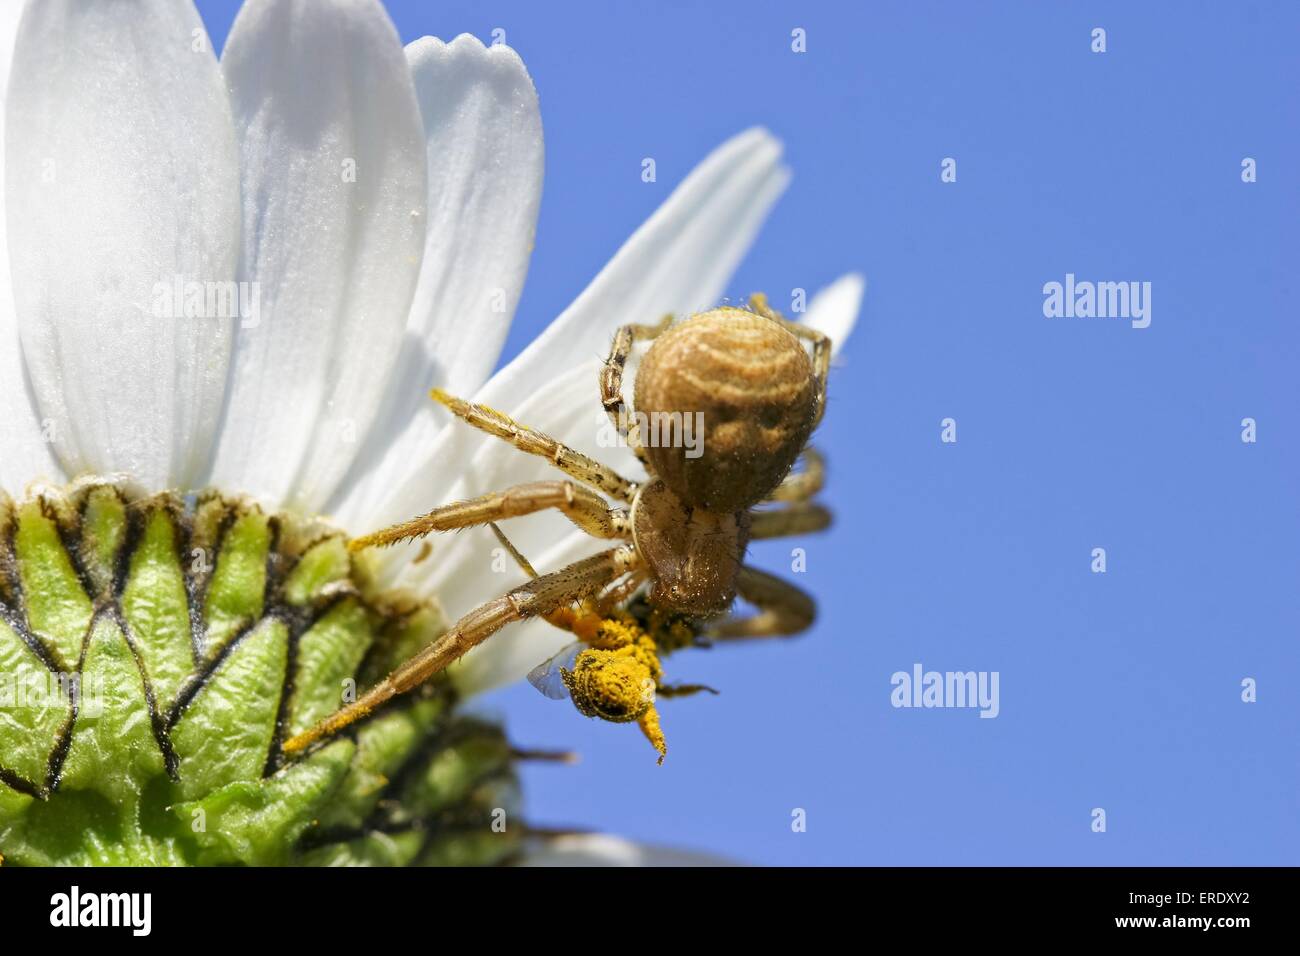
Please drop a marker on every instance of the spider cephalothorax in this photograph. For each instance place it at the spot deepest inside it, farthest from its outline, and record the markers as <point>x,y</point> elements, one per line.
<point>725,403</point>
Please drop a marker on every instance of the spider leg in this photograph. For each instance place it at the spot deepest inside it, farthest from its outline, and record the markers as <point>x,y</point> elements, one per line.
<point>619,592</point>
<point>611,378</point>
<point>800,517</point>
<point>588,510</point>
<point>821,343</point>
<point>802,485</point>
<point>683,690</point>
<point>524,564</point>
<point>584,621</point>
<point>573,463</point>
<point>783,608</point>
<point>531,599</point>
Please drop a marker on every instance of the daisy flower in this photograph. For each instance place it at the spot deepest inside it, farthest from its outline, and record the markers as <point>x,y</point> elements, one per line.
<point>226,289</point>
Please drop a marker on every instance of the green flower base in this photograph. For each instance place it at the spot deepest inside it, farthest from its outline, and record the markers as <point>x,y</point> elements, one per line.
<point>155,653</point>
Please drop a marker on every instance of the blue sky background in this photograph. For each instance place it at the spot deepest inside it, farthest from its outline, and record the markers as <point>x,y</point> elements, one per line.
<point>1118,690</point>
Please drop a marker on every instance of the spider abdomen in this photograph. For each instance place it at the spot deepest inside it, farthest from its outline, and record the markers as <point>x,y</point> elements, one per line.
<point>744,391</point>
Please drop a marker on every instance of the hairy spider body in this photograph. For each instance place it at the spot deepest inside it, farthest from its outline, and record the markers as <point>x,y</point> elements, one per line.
<point>693,556</point>
<point>747,378</point>
<point>754,386</point>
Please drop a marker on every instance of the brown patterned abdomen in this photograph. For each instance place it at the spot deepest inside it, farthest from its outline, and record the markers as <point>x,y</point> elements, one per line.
<point>753,383</point>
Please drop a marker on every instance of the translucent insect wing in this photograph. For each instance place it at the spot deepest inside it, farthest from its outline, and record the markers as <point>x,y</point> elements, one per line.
<point>546,676</point>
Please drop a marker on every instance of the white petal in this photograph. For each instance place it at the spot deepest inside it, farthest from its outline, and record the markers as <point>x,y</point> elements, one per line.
<point>484,143</point>
<point>24,456</point>
<point>333,177</point>
<point>834,310</point>
<point>121,179</point>
<point>677,262</point>
<point>600,849</point>
<point>658,270</point>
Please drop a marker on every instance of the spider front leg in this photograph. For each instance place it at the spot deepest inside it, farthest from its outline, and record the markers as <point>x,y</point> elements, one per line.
<point>619,592</point>
<point>585,621</point>
<point>802,517</point>
<point>802,485</point>
<point>573,463</point>
<point>588,510</point>
<point>534,598</point>
<point>611,378</point>
<point>783,608</point>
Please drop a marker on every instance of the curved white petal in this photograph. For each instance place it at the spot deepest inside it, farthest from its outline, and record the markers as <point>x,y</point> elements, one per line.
<point>834,310</point>
<point>661,268</point>
<point>121,181</point>
<point>24,455</point>
<point>483,136</point>
<point>601,849</point>
<point>678,261</point>
<point>333,181</point>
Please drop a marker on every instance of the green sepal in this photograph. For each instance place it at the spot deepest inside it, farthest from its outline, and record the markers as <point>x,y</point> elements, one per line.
<point>259,822</point>
<point>224,734</point>
<point>103,532</point>
<point>324,564</point>
<point>34,705</point>
<point>113,750</point>
<point>448,775</point>
<point>329,654</point>
<point>373,849</point>
<point>384,745</point>
<point>58,608</point>
<point>235,595</point>
<point>156,607</point>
